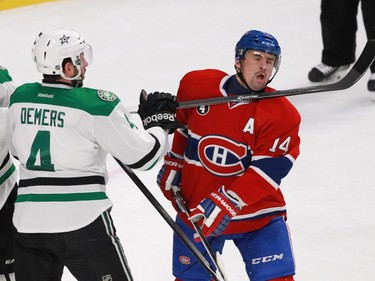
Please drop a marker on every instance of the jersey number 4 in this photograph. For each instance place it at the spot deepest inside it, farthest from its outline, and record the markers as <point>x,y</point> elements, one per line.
<point>40,155</point>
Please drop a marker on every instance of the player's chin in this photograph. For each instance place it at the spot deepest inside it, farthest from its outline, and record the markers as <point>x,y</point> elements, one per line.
<point>259,84</point>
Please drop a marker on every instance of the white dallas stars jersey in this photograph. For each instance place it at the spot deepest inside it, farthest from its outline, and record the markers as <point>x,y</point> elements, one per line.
<point>61,136</point>
<point>8,174</point>
<point>7,87</point>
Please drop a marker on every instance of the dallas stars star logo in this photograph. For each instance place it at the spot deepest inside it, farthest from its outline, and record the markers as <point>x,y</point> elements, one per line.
<point>64,39</point>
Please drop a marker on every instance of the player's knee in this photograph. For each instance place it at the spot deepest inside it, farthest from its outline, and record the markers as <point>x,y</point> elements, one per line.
<point>285,278</point>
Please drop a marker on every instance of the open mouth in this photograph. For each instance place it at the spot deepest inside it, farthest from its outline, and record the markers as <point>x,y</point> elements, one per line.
<point>260,78</point>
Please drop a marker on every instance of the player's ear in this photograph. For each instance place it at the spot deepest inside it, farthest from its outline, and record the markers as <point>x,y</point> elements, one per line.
<point>68,68</point>
<point>237,64</point>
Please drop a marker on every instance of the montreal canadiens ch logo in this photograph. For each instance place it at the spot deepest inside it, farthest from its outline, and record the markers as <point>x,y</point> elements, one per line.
<point>184,259</point>
<point>222,156</point>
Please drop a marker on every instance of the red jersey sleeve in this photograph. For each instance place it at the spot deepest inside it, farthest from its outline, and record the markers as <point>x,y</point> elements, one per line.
<point>194,86</point>
<point>275,147</point>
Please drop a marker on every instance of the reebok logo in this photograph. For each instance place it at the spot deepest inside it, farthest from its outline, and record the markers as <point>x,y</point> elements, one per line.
<point>158,117</point>
<point>48,96</point>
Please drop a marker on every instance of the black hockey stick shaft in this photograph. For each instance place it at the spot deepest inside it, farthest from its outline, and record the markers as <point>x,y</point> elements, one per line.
<point>182,205</point>
<point>170,221</point>
<point>356,72</point>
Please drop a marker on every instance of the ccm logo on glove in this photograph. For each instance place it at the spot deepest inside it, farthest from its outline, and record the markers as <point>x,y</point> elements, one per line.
<point>215,211</point>
<point>174,164</point>
<point>224,203</point>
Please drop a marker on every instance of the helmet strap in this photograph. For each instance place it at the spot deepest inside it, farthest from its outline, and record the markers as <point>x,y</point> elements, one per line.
<point>76,80</point>
<point>77,83</point>
<point>273,76</point>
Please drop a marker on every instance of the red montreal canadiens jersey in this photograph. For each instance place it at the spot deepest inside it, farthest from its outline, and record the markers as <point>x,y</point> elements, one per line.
<point>248,147</point>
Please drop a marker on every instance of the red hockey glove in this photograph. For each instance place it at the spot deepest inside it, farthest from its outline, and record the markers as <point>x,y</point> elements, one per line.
<point>169,176</point>
<point>216,211</point>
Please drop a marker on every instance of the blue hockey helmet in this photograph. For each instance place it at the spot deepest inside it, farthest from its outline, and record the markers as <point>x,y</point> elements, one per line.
<point>259,41</point>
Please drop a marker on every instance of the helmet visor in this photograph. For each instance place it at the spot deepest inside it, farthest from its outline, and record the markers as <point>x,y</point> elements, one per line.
<point>86,56</point>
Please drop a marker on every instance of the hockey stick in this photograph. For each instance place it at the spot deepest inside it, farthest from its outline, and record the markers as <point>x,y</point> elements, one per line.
<point>214,258</point>
<point>170,221</point>
<point>356,72</point>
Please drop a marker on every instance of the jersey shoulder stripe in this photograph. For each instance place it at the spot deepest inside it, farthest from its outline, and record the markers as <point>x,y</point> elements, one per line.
<point>92,101</point>
<point>4,75</point>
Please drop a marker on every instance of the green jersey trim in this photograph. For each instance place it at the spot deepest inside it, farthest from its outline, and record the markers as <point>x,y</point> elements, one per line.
<point>86,99</point>
<point>64,197</point>
<point>7,174</point>
<point>4,75</point>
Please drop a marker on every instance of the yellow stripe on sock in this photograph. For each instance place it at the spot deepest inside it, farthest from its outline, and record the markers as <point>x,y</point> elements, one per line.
<point>10,4</point>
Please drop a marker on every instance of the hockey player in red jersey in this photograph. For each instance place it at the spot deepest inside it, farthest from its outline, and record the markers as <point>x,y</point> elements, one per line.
<point>229,163</point>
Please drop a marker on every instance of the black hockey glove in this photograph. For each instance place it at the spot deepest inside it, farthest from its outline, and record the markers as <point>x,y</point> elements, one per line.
<point>158,109</point>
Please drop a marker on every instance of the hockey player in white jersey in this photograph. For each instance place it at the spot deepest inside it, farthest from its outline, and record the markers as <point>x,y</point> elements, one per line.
<point>8,184</point>
<point>7,86</point>
<point>61,133</point>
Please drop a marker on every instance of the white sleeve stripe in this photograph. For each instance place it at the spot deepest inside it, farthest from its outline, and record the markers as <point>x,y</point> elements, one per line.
<point>290,158</point>
<point>254,158</point>
<point>265,176</point>
<point>260,213</point>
